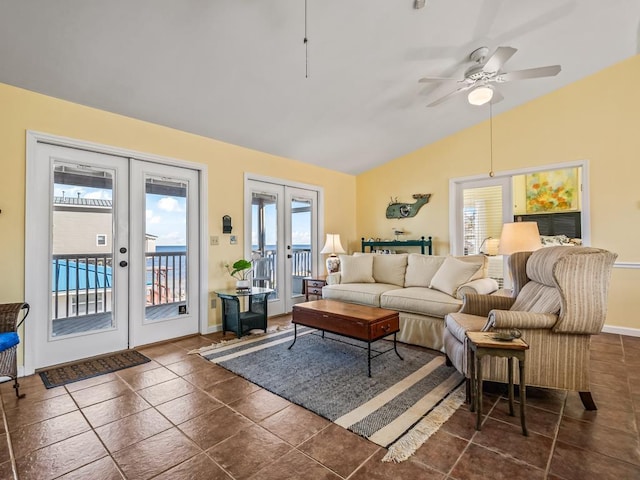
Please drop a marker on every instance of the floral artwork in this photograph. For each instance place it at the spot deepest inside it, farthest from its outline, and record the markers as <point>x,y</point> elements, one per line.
<point>552,191</point>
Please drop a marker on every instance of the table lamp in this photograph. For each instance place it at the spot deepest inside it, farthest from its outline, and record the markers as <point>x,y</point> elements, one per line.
<point>519,237</point>
<point>333,246</point>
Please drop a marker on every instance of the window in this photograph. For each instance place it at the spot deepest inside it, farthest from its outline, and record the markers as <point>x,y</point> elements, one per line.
<point>101,240</point>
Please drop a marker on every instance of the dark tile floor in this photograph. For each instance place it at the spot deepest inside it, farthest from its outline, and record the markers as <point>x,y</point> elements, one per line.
<point>181,417</point>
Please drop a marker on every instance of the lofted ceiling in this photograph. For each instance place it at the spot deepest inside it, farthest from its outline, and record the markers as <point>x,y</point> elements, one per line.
<point>348,100</point>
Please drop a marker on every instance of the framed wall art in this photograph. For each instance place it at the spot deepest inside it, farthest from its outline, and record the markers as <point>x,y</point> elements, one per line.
<point>552,191</point>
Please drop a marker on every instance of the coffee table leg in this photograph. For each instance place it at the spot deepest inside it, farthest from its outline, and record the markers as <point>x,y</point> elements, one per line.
<point>295,335</point>
<point>369,358</point>
<point>395,346</point>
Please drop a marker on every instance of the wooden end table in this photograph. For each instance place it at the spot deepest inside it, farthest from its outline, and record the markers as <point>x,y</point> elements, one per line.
<point>480,344</point>
<point>313,286</point>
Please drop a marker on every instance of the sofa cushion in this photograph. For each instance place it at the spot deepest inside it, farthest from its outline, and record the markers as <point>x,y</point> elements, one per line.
<point>420,300</point>
<point>390,268</point>
<point>358,269</point>
<point>362,293</point>
<point>421,269</point>
<point>453,273</point>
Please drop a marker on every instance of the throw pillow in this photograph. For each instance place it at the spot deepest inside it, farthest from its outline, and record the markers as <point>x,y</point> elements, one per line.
<point>357,269</point>
<point>390,268</point>
<point>452,274</point>
<point>478,259</point>
<point>421,269</point>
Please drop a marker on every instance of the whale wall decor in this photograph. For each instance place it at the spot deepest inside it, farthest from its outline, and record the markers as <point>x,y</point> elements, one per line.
<point>397,209</point>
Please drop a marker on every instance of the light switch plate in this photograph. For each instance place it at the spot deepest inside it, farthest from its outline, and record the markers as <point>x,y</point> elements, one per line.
<point>233,239</point>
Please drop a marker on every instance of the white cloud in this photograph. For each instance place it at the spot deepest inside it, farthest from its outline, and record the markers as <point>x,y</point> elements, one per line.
<point>169,204</point>
<point>152,219</point>
<point>99,195</point>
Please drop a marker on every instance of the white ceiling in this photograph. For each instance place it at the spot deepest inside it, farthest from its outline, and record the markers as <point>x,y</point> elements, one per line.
<point>236,70</point>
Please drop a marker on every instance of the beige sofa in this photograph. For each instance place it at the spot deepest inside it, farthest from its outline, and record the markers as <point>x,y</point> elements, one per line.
<point>423,288</point>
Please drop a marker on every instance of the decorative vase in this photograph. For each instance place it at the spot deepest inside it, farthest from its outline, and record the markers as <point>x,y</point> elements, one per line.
<point>243,284</point>
<point>333,264</point>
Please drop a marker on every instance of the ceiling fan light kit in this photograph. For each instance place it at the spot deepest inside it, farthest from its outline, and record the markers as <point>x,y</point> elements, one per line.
<point>486,70</point>
<point>480,95</point>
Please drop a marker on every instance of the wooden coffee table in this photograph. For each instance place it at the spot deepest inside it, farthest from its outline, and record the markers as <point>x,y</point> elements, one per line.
<point>360,322</point>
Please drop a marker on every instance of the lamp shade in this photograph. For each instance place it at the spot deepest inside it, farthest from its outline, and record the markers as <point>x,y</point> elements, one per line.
<point>480,95</point>
<point>519,237</point>
<point>332,245</point>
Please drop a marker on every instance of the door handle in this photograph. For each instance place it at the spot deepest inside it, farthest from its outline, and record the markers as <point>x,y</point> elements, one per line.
<point>123,263</point>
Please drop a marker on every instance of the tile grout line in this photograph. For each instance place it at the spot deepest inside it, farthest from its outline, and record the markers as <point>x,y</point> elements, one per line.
<point>12,457</point>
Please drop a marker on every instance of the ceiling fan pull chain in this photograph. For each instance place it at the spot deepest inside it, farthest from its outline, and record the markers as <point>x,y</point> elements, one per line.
<point>491,138</point>
<point>306,43</point>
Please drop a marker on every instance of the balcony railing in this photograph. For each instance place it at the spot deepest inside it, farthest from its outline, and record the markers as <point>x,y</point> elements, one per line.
<point>82,283</point>
<point>264,272</point>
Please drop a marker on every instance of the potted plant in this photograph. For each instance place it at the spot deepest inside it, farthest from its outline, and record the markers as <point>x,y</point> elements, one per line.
<point>241,270</point>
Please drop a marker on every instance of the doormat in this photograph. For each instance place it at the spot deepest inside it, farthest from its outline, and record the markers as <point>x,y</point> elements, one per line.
<point>399,406</point>
<point>55,377</point>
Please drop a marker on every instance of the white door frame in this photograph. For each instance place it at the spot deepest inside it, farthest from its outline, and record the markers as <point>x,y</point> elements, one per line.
<point>317,261</point>
<point>31,227</point>
<point>143,331</point>
<point>456,185</point>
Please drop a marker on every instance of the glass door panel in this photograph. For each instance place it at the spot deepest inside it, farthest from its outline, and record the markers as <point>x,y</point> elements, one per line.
<point>301,254</point>
<point>82,250</point>
<point>264,241</point>
<point>166,249</point>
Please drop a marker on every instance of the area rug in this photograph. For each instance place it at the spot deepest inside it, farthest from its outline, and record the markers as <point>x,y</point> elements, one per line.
<point>403,402</point>
<point>58,376</point>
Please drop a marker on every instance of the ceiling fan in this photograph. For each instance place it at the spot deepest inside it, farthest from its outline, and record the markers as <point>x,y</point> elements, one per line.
<point>478,79</point>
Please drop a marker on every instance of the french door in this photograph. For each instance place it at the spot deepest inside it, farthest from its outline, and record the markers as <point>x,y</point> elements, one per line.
<point>281,237</point>
<point>112,254</point>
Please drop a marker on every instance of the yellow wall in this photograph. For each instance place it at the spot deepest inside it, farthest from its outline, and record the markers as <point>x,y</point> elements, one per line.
<point>22,110</point>
<point>595,119</point>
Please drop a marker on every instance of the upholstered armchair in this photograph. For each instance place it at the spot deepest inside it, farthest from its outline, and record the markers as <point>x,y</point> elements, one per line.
<point>559,300</point>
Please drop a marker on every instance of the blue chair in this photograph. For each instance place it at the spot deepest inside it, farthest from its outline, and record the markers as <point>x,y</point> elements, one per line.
<point>10,313</point>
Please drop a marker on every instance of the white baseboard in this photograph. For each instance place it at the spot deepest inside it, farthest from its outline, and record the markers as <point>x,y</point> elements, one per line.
<point>630,332</point>
<point>213,329</point>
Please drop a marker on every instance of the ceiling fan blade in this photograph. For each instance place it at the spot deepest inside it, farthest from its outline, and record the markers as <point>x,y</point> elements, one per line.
<point>437,79</point>
<point>499,57</point>
<point>548,71</point>
<point>449,95</point>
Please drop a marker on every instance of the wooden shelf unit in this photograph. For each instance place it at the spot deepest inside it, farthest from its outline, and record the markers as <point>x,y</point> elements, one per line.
<point>422,243</point>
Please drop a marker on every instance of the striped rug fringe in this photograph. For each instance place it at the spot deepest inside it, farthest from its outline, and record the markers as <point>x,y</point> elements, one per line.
<point>411,441</point>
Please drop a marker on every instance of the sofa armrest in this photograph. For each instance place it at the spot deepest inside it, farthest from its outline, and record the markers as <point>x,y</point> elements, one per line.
<point>483,286</point>
<point>481,305</point>
<point>334,278</point>
<point>522,320</point>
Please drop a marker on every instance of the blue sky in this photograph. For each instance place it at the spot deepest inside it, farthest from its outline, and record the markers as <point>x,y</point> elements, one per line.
<point>165,215</point>
<point>300,227</point>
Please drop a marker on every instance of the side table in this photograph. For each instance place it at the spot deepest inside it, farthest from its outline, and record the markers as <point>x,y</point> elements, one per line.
<point>480,344</point>
<point>237,321</point>
<point>313,286</point>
